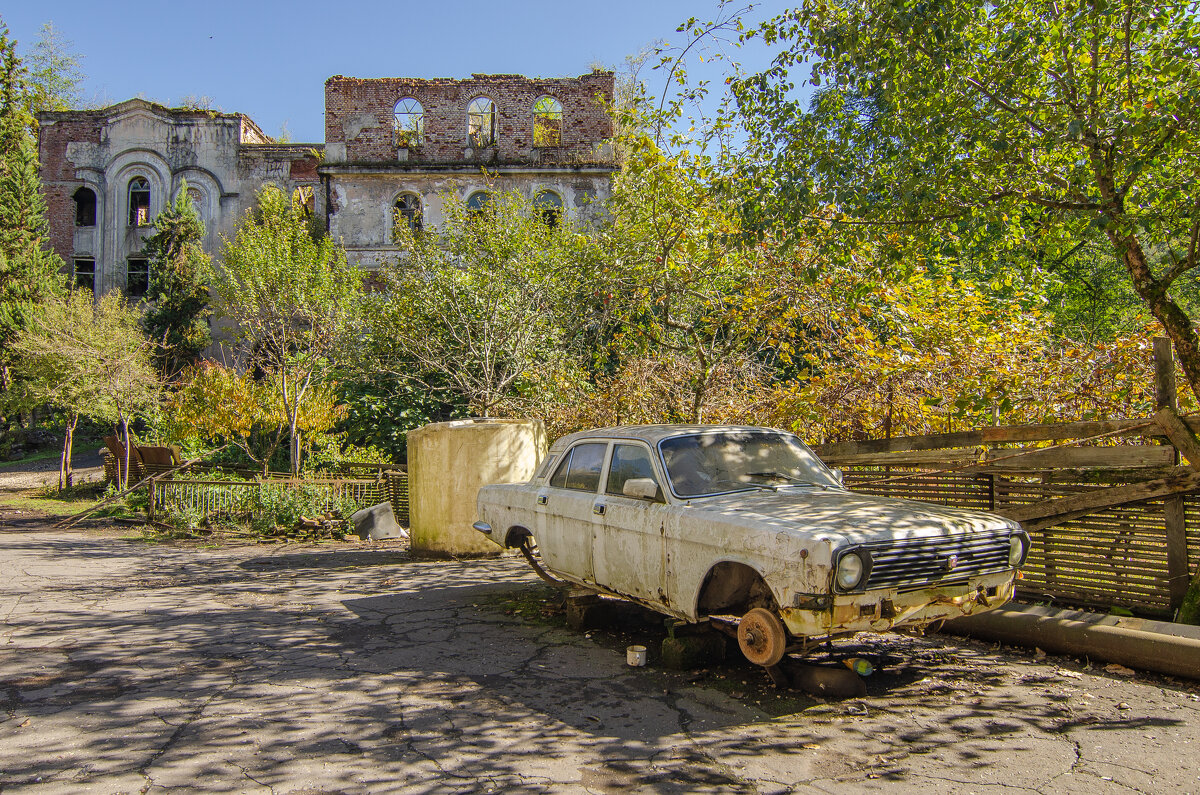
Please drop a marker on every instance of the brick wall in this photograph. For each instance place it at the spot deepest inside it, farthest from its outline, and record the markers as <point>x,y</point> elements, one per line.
<point>359,114</point>
<point>58,177</point>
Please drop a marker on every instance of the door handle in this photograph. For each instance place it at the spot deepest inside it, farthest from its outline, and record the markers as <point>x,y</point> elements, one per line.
<point>598,509</point>
<point>542,499</point>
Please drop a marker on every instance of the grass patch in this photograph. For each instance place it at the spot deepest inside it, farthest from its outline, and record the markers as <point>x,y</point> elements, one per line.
<point>71,500</point>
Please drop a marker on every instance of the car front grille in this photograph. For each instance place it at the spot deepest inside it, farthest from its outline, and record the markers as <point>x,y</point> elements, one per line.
<point>917,562</point>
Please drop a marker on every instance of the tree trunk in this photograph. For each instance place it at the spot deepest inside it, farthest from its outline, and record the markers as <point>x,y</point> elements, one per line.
<point>66,476</point>
<point>294,447</point>
<point>1174,320</point>
<point>125,441</point>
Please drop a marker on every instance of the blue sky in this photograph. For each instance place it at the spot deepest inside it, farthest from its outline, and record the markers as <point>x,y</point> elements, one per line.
<point>270,60</point>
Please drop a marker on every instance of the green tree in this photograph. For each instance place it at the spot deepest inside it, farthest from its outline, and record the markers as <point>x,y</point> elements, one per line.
<point>476,304</point>
<point>55,76</point>
<point>1083,114</point>
<point>29,272</point>
<point>89,358</point>
<point>292,296</point>
<point>178,313</point>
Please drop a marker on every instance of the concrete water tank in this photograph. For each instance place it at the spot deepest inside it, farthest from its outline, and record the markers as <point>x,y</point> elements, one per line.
<point>448,462</point>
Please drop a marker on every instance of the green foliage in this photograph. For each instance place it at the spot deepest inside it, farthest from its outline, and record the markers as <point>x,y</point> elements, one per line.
<point>477,304</point>
<point>275,510</point>
<point>55,76</point>
<point>292,296</point>
<point>1029,124</point>
<point>381,408</point>
<point>177,315</point>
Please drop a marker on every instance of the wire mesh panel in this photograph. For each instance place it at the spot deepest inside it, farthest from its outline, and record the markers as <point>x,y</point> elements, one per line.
<point>397,485</point>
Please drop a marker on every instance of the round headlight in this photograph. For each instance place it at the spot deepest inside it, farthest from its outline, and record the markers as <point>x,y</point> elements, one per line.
<point>850,571</point>
<point>1016,550</point>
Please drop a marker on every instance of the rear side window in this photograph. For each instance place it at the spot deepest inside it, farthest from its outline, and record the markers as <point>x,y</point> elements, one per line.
<point>545,467</point>
<point>629,461</point>
<point>580,469</point>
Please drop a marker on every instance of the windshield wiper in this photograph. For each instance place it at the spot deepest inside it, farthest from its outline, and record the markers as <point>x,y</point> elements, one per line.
<point>784,476</point>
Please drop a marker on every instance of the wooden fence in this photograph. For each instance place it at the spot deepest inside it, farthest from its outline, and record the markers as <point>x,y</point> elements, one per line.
<point>1112,507</point>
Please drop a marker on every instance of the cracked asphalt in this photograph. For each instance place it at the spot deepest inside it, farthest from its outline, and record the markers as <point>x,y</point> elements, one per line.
<point>127,667</point>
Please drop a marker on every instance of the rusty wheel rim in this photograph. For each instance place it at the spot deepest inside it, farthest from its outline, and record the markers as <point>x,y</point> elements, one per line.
<point>761,637</point>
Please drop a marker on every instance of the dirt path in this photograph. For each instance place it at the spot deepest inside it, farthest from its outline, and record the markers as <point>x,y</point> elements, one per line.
<point>128,667</point>
<point>22,476</point>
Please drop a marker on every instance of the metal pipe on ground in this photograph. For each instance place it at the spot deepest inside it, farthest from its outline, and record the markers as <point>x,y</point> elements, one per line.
<point>1137,643</point>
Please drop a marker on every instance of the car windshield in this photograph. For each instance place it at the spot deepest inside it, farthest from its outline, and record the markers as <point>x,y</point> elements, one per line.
<point>715,463</point>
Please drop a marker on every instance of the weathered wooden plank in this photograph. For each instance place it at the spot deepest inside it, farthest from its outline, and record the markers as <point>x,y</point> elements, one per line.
<point>1004,434</point>
<point>1177,550</point>
<point>926,458</point>
<point>1180,435</point>
<point>1164,374</point>
<point>1127,456</point>
<point>1064,508</point>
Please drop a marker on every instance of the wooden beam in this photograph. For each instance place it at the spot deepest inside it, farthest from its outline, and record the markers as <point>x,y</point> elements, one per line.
<point>1178,575</point>
<point>1164,374</point>
<point>1004,434</point>
<point>1180,435</point>
<point>1126,456</point>
<point>1061,508</point>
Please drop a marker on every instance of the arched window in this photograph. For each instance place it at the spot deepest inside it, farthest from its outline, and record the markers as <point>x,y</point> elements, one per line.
<point>479,201</point>
<point>407,209</point>
<point>481,123</point>
<point>547,122</point>
<point>196,197</point>
<point>408,123</point>
<point>85,207</point>
<point>550,205</point>
<point>139,202</point>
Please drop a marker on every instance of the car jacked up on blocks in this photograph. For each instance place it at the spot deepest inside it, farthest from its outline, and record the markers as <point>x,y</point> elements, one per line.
<point>747,523</point>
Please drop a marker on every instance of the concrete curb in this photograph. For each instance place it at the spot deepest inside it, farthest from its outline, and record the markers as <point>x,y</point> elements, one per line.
<point>1134,642</point>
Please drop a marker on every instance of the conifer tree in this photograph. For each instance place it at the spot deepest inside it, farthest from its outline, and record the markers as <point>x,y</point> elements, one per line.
<point>179,311</point>
<point>29,271</point>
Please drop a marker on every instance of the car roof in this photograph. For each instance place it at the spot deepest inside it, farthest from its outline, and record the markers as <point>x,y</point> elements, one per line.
<point>651,434</point>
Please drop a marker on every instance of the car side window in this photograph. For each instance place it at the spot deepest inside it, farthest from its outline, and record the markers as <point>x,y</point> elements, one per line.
<point>580,469</point>
<point>629,461</point>
<point>545,467</point>
<point>560,475</point>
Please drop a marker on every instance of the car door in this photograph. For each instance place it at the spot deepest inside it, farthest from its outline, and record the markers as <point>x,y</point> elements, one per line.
<point>629,556</point>
<point>565,511</point>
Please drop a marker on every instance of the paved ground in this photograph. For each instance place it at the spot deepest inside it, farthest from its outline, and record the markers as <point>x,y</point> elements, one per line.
<point>127,667</point>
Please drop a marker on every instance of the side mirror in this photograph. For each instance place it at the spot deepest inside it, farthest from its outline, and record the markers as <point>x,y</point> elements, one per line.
<point>839,476</point>
<point>642,489</point>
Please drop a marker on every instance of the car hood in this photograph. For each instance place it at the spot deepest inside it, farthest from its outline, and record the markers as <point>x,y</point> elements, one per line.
<point>845,516</point>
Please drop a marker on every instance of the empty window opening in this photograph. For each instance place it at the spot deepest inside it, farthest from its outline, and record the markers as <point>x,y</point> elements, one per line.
<point>550,205</point>
<point>196,197</point>
<point>304,199</point>
<point>481,123</point>
<point>547,122</point>
<point>407,210</point>
<point>84,273</point>
<point>139,202</point>
<point>479,201</point>
<point>85,207</point>
<point>409,123</point>
<point>137,277</point>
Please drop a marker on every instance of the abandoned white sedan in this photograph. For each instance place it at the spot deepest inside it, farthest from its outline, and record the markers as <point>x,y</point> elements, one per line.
<point>743,522</point>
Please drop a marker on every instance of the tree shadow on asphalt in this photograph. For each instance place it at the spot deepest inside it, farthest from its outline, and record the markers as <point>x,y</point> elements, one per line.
<point>215,667</point>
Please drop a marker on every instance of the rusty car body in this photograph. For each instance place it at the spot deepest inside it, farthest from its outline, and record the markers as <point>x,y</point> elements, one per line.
<point>703,521</point>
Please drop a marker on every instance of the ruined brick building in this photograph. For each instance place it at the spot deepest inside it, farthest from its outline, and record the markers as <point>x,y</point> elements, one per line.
<point>394,148</point>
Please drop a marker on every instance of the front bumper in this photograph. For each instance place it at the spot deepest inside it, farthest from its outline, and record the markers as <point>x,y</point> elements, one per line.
<point>886,609</point>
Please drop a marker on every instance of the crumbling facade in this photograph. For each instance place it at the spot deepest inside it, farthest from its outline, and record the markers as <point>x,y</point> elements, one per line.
<point>395,149</point>
<point>107,173</point>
